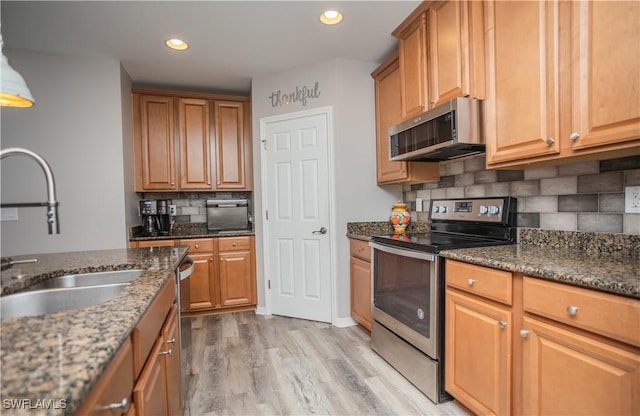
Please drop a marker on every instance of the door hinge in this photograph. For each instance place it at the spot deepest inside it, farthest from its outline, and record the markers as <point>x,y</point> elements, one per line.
<point>269,284</point>
<point>264,144</point>
<point>266,213</point>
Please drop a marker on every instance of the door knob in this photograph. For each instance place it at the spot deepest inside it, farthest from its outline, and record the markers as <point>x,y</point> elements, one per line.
<point>322,230</point>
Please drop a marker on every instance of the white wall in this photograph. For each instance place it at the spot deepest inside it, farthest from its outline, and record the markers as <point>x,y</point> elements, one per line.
<point>77,126</point>
<point>347,86</point>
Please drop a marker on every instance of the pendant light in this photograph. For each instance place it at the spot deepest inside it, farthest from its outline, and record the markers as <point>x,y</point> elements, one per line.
<point>13,89</point>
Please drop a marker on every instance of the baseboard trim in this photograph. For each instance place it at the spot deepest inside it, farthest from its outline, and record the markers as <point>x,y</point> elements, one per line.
<point>261,310</point>
<point>344,322</point>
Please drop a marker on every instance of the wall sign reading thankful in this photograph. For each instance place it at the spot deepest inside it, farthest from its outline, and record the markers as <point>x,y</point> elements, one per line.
<point>301,95</point>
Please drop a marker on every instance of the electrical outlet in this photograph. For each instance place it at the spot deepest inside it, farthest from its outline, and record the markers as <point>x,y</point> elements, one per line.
<point>418,204</point>
<point>172,210</point>
<point>632,199</point>
<point>10,214</point>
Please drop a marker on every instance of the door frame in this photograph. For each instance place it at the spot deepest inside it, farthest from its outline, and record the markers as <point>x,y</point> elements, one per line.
<point>328,112</point>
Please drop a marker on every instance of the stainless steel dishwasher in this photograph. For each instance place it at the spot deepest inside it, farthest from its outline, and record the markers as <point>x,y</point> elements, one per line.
<point>182,296</point>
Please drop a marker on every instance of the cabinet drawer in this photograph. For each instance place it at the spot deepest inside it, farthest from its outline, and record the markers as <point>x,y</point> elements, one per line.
<point>198,245</point>
<point>482,281</point>
<point>613,316</point>
<point>360,249</point>
<point>234,243</point>
<point>152,243</point>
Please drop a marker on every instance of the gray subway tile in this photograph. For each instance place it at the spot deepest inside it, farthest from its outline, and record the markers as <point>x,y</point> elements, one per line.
<point>613,202</point>
<point>475,163</point>
<point>455,192</point>
<point>632,177</point>
<point>510,175</point>
<point>631,224</point>
<point>603,182</point>
<point>524,188</point>
<point>486,176</point>
<point>409,196</point>
<point>455,167</point>
<point>464,179</point>
<point>416,187</point>
<point>439,193</point>
<point>497,189</point>
<point>425,194</point>
<point>528,219</point>
<point>600,223</point>
<point>540,204</point>
<point>541,173</point>
<point>578,203</point>
<point>564,185</point>
<point>567,221</point>
<point>623,163</point>
<point>447,181</point>
<point>475,191</point>
<point>581,168</point>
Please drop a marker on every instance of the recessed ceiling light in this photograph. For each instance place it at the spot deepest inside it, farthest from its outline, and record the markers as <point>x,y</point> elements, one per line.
<point>176,44</point>
<point>331,17</point>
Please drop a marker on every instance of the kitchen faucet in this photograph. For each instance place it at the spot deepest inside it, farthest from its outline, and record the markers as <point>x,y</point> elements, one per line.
<point>51,204</point>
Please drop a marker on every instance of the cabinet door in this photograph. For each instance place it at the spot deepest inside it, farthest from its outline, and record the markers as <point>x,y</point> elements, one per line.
<point>171,338</point>
<point>149,395</point>
<point>456,55</point>
<point>571,374</point>
<point>195,146</point>
<point>237,278</point>
<point>605,73</point>
<point>156,143</point>
<point>201,282</point>
<point>361,292</point>
<point>230,145</point>
<point>413,67</point>
<point>388,113</point>
<point>521,109</point>
<point>478,354</point>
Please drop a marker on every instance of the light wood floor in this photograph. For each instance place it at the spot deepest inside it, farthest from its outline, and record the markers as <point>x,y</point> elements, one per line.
<point>249,364</point>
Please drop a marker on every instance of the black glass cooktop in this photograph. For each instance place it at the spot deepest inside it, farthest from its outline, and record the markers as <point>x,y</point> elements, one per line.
<point>434,242</point>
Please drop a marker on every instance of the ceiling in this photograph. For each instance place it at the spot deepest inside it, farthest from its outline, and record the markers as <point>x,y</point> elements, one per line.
<point>230,41</point>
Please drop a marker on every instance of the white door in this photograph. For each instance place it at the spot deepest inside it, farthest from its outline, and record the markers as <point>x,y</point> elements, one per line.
<point>298,247</point>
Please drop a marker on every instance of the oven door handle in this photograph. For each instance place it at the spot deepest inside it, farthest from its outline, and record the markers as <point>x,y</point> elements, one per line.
<point>403,252</point>
<point>184,273</point>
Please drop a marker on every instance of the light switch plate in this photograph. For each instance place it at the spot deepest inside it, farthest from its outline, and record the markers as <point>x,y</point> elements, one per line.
<point>418,204</point>
<point>10,214</point>
<point>172,210</point>
<point>632,199</point>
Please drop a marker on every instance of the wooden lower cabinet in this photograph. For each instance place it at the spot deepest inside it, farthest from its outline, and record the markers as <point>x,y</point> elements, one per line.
<point>545,348</point>
<point>201,282</point>
<point>150,393</point>
<point>237,287</point>
<point>478,354</point>
<point>361,299</point>
<point>565,372</point>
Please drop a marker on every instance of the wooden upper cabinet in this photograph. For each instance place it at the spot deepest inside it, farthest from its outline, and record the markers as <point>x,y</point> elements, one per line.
<point>413,66</point>
<point>195,146</point>
<point>522,106</point>
<point>154,142</point>
<point>562,81</point>
<point>605,73</point>
<point>190,141</point>
<point>456,50</point>
<point>388,99</point>
<point>231,145</point>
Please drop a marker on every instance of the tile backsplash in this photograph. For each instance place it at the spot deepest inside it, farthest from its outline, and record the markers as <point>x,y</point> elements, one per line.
<point>191,206</point>
<point>585,196</point>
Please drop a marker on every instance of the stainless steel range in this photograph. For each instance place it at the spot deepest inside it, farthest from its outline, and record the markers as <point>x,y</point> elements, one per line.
<point>408,284</point>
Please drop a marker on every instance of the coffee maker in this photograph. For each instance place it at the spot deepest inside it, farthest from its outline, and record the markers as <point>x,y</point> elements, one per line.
<point>156,219</point>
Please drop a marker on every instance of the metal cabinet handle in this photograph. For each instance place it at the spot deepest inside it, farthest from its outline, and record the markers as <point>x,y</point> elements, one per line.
<point>502,324</point>
<point>574,136</point>
<point>196,246</point>
<point>233,244</point>
<point>471,281</point>
<point>123,404</point>
<point>550,141</point>
<point>171,341</point>
<point>572,310</point>
<point>168,352</point>
<point>322,230</point>
<point>524,333</point>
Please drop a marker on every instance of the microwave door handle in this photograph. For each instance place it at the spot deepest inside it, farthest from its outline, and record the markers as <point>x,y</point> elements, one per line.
<point>227,205</point>
<point>403,253</point>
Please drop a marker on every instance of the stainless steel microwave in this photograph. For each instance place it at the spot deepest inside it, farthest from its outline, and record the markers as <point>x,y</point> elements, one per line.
<point>448,131</point>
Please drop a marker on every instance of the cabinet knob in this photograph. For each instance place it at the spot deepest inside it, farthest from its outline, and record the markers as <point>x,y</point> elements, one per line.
<point>574,136</point>
<point>123,404</point>
<point>197,246</point>
<point>471,281</point>
<point>572,310</point>
<point>171,341</point>
<point>432,101</point>
<point>233,244</point>
<point>550,141</point>
<point>169,352</point>
<point>502,324</point>
<point>524,333</point>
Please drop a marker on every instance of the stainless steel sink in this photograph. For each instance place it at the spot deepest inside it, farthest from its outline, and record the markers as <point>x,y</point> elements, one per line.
<point>41,302</point>
<point>88,279</point>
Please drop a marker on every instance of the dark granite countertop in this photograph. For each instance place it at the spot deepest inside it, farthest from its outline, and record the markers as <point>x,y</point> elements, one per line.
<point>181,231</point>
<point>60,356</point>
<point>605,272</point>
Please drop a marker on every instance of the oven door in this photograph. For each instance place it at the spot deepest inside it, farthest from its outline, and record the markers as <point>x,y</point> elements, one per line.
<point>406,296</point>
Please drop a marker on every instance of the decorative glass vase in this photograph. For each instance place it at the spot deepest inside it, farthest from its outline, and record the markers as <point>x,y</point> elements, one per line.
<point>400,217</point>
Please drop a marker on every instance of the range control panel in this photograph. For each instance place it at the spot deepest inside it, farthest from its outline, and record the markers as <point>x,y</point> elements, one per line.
<point>470,209</point>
